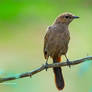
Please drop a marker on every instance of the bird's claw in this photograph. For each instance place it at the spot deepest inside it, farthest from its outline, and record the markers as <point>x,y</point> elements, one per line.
<point>69,63</point>
<point>46,64</point>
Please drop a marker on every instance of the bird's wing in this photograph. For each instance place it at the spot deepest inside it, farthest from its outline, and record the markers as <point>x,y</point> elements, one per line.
<point>46,42</point>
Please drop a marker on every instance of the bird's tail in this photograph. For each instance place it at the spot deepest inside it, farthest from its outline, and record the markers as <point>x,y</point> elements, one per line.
<point>58,75</point>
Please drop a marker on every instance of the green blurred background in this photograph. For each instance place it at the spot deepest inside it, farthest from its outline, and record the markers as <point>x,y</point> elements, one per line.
<point>22,27</point>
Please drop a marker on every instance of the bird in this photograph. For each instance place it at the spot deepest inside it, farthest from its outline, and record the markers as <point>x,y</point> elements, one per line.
<point>56,42</point>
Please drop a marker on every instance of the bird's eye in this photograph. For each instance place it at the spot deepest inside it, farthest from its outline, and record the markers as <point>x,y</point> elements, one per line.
<point>67,17</point>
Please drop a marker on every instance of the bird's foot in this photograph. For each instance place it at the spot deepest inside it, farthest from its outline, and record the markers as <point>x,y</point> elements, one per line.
<point>68,63</point>
<point>46,65</point>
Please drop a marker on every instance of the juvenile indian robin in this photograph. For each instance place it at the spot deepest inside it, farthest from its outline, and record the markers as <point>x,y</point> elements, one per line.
<point>56,44</point>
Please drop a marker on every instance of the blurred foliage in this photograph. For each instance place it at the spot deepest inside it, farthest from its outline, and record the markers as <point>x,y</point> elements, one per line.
<point>22,27</point>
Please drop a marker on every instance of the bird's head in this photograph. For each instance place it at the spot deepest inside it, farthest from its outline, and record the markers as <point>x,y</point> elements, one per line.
<point>66,18</point>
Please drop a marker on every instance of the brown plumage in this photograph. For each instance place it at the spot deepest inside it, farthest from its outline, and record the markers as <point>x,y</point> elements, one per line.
<point>56,44</point>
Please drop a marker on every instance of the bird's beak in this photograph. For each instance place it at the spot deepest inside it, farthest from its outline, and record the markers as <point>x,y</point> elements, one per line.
<point>76,17</point>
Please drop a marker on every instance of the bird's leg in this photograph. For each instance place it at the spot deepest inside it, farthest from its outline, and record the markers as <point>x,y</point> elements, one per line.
<point>46,64</point>
<point>68,62</point>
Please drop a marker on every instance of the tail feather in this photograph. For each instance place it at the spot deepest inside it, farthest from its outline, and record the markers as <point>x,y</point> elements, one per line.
<point>58,77</point>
